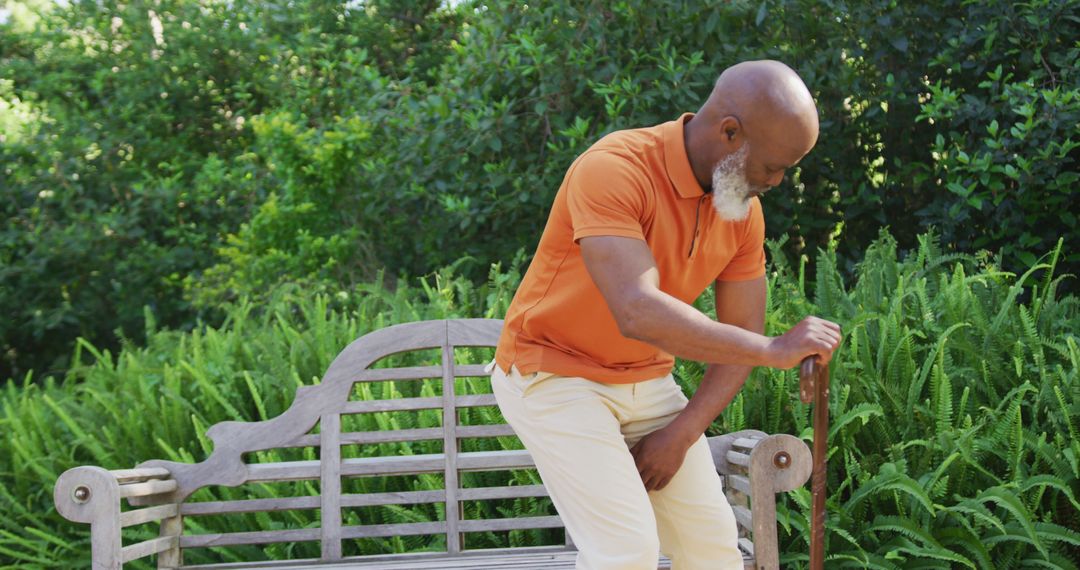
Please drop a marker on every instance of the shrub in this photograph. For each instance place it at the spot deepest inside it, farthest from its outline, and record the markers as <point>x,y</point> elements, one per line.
<point>954,409</point>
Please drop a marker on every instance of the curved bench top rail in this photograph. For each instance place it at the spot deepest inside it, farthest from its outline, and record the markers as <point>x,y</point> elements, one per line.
<point>233,439</point>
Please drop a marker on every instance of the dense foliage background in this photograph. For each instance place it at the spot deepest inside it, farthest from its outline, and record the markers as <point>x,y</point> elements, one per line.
<point>176,154</point>
<point>173,168</point>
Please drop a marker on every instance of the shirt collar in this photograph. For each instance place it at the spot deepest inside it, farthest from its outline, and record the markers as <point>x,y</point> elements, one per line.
<point>676,161</point>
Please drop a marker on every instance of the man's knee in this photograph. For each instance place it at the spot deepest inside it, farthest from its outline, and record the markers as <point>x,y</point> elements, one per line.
<point>630,552</point>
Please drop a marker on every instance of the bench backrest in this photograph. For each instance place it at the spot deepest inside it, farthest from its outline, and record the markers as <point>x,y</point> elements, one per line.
<point>327,404</point>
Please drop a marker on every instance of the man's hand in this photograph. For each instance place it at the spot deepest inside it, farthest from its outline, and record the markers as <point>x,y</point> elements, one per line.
<point>812,336</point>
<point>658,456</point>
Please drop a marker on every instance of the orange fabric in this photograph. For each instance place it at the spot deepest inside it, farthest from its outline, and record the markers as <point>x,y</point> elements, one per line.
<point>635,183</point>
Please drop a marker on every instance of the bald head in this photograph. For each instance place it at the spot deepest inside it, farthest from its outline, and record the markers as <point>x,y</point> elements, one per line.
<point>763,104</point>
<point>765,94</point>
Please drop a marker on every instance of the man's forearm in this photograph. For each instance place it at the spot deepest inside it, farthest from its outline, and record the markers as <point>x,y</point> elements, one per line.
<point>681,330</point>
<point>718,388</point>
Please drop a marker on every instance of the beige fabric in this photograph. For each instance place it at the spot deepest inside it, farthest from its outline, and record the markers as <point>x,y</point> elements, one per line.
<point>579,433</point>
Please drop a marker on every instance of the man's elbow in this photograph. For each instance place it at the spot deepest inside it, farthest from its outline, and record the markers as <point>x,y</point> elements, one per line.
<point>636,320</point>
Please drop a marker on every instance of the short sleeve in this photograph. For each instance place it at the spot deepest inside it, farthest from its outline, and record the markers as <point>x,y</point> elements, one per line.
<point>749,260</point>
<point>606,196</point>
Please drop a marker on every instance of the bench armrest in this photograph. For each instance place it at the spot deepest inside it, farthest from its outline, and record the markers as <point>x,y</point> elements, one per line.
<point>92,495</point>
<point>760,465</point>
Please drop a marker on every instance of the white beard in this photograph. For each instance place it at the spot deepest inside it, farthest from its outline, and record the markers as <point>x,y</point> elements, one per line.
<point>731,191</point>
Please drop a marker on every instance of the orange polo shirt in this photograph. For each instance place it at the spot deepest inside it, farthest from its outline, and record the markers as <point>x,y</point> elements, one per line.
<point>638,184</point>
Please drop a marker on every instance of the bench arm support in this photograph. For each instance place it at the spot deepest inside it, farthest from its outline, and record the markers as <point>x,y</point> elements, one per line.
<point>92,495</point>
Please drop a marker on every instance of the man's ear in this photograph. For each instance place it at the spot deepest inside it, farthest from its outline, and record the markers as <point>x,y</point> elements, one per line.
<point>731,127</point>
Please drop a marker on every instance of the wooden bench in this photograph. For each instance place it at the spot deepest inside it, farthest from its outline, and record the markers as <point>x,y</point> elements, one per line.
<point>754,466</point>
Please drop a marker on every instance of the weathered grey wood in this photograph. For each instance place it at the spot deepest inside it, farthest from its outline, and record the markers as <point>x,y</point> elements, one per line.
<point>473,332</point>
<point>552,521</point>
<point>735,455</point>
<point>257,537</point>
<point>172,557</point>
<point>401,498</point>
<point>737,458</point>
<point>146,548</point>
<point>400,405</point>
<point>739,483</point>
<point>250,506</point>
<point>450,448</point>
<point>418,434</point>
<point>406,465</point>
<point>404,373</point>
<point>743,517</point>
<point>409,404</point>
<point>720,445</point>
<point>485,431</point>
<point>355,500</point>
<point>466,370</point>
<point>151,487</point>
<point>745,445</point>
<point>479,558</point>
<point>475,400</point>
<point>769,475</point>
<point>330,485</point>
<point>149,514</point>
<point>782,479</point>
<point>483,493</point>
<point>124,476</point>
<point>401,529</point>
<point>233,439</point>
<point>92,495</point>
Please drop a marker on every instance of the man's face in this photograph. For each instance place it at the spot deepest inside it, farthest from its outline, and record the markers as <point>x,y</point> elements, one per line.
<point>732,190</point>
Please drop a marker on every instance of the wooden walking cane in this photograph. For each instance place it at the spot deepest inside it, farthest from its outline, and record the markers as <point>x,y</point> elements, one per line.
<point>814,385</point>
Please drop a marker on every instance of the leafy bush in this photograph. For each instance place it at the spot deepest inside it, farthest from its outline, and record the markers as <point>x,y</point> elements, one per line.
<point>954,412</point>
<point>1006,94</point>
<point>444,132</point>
<point>954,416</point>
<point>129,155</point>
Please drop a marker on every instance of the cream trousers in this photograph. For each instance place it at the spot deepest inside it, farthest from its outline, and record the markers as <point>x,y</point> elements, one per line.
<point>579,433</point>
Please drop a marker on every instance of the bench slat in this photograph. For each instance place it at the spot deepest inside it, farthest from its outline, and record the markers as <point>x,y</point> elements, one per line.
<point>366,531</point>
<point>450,448</point>
<point>140,516</point>
<point>347,501</point>
<point>407,404</point>
<point>136,475</point>
<point>740,483</point>
<point>386,530</point>
<point>403,373</point>
<point>481,558</point>
<point>515,492</point>
<point>387,466</point>
<point>257,537</point>
<point>742,516</point>
<point>249,506</point>
<point>152,546</point>
<point>500,430</point>
<point>421,434</point>
<point>330,486</point>
<point>398,405</point>
<point>486,525</point>
<point>470,370</point>
<point>740,459</point>
<point>151,487</point>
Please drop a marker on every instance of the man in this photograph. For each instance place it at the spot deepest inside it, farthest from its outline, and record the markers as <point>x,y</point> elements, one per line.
<point>644,221</point>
